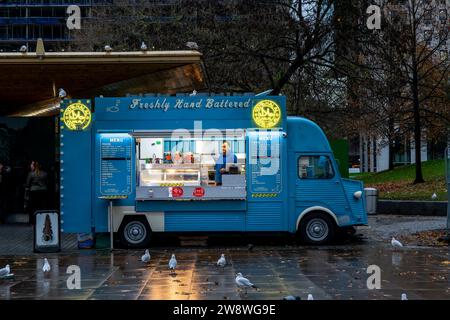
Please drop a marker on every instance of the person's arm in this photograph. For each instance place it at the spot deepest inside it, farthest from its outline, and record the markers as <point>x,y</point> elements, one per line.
<point>28,182</point>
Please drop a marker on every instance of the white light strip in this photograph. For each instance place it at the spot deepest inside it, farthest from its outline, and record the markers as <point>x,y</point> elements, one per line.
<point>42,111</point>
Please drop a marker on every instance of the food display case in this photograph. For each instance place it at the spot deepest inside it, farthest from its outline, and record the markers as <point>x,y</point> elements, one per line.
<point>152,175</point>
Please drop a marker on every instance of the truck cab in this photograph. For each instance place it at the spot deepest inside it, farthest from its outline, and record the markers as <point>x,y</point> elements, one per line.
<point>321,201</point>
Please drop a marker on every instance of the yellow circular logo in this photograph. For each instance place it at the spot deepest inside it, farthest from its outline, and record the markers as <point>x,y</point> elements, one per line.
<point>77,116</point>
<point>266,114</point>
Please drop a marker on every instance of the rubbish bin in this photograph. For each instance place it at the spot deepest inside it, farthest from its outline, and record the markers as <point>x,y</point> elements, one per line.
<point>371,195</point>
<point>47,236</point>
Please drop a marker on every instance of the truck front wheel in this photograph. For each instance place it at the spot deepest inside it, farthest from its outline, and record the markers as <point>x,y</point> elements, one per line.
<point>317,228</point>
<point>135,232</point>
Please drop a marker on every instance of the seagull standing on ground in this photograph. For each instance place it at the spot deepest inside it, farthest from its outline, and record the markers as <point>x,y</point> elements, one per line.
<point>222,262</point>
<point>5,271</point>
<point>144,46</point>
<point>146,257</point>
<point>434,196</point>
<point>244,283</point>
<point>396,243</point>
<point>23,49</point>
<point>310,296</point>
<point>404,297</point>
<point>108,48</point>
<point>46,267</point>
<point>292,298</point>
<point>172,263</point>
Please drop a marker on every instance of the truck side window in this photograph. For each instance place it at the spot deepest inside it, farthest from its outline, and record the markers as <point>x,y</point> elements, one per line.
<point>315,167</point>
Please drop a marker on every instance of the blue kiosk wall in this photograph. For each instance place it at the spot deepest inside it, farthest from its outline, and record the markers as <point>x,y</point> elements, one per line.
<point>76,180</point>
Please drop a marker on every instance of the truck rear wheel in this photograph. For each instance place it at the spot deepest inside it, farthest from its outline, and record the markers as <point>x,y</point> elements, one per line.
<point>317,228</point>
<point>135,232</point>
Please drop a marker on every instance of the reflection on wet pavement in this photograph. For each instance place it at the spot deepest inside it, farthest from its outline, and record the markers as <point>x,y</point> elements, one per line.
<point>335,272</point>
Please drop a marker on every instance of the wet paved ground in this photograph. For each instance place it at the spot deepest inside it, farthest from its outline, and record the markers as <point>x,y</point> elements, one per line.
<point>332,272</point>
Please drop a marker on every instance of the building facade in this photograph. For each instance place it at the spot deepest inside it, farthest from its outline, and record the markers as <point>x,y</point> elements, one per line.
<point>22,22</point>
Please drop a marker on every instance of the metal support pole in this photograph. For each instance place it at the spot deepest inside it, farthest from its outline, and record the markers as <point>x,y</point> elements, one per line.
<point>111,225</point>
<point>447,180</point>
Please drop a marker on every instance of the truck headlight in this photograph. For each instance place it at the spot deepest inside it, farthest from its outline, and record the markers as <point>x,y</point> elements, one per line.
<point>357,194</point>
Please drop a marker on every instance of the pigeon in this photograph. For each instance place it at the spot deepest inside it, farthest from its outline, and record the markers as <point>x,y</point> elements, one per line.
<point>108,48</point>
<point>172,262</point>
<point>244,283</point>
<point>146,257</point>
<point>434,196</point>
<point>404,297</point>
<point>292,298</point>
<point>222,262</point>
<point>144,46</point>
<point>23,49</point>
<point>62,93</point>
<point>192,45</point>
<point>310,296</point>
<point>46,267</point>
<point>396,243</point>
<point>5,271</point>
<point>194,93</point>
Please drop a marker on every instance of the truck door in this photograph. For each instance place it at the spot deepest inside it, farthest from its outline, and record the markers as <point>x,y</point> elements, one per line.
<point>318,184</point>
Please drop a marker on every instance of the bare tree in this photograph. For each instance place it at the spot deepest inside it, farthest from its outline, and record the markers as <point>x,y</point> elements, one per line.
<point>424,36</point>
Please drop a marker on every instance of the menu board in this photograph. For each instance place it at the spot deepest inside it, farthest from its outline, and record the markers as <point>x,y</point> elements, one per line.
<point>115,164</point>
<point>265,162</point>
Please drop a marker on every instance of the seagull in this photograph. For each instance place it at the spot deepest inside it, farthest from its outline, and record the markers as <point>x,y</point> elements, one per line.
<point>144,46</point>
<point>244,283</point>
<point>194,93</point>
<point>172,263</point>
<point>250,247</point>
<point>434,196</point>
<point>108,48</point>
<point>4,272</point>
<point>46,267</point>
<point>62,93</point>
<point>222,262</point>
<point>404,297</point>
<point>310,296</point>
<point>23,49</point>
<point>396,243</point>
<point>146,257</point>
<point>192,45</point>
<point>292,298</point>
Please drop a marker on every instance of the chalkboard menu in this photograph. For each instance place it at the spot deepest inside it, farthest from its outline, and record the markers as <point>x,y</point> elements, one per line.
<point>115,164</point>
<point>265,162</point>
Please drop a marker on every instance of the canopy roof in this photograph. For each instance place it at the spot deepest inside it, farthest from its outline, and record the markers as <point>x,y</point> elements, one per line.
<point>30,82</point>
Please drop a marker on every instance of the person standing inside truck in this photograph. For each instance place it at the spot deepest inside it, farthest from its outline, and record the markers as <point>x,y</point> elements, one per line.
<point>36,185</point>
<point>226,157</point>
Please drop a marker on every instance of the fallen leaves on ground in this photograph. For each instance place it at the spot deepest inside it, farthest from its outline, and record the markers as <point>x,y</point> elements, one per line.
<point>406,190</point>
<point>430,238</point>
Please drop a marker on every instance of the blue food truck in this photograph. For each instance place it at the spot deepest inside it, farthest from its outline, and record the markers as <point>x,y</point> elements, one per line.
<point>139,165</point>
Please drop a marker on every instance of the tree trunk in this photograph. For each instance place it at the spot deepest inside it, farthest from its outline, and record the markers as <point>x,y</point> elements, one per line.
<point>417,128</point>
<point>391,155</point>
<point>391,142</point>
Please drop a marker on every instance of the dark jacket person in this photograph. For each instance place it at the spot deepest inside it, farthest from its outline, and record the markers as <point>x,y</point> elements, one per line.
<point>36,184</point>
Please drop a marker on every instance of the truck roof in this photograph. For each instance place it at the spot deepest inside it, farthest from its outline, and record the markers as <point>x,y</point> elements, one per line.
<point>306,136</point>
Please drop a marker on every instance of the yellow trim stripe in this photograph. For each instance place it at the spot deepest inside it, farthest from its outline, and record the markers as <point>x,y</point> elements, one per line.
<point>264,195</point>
